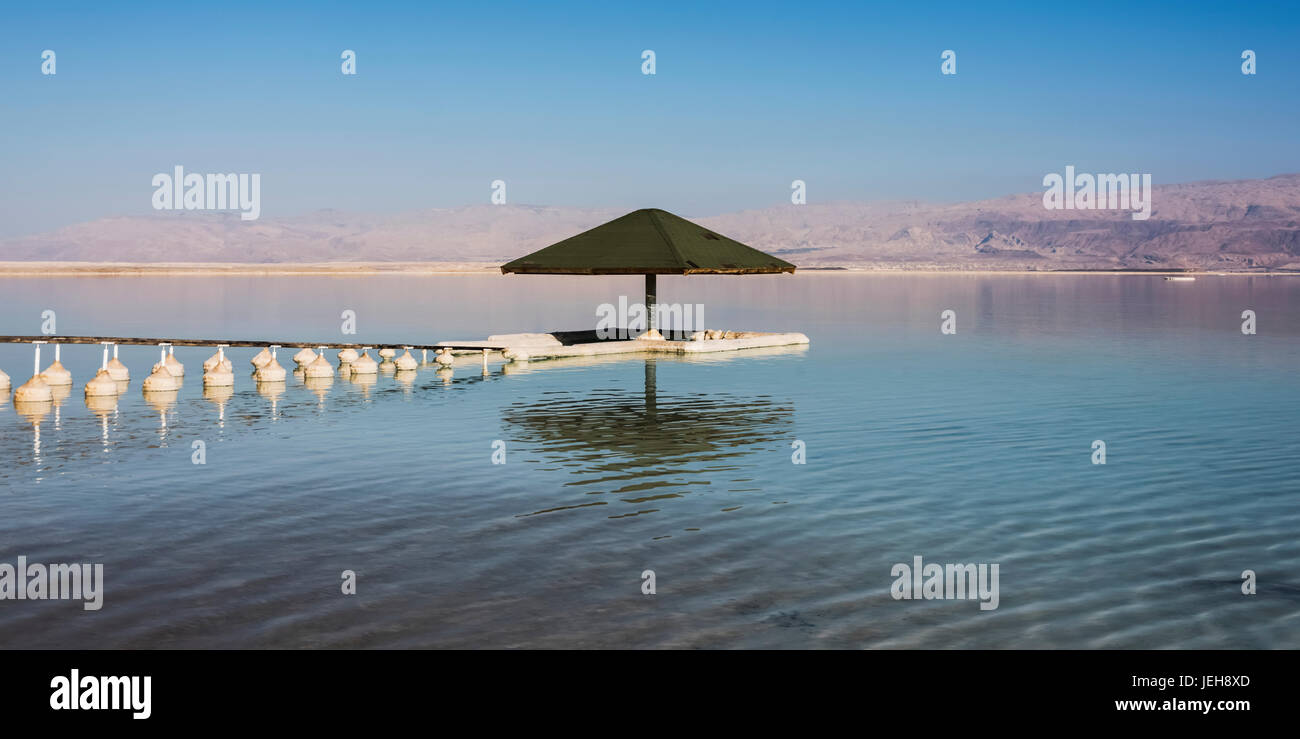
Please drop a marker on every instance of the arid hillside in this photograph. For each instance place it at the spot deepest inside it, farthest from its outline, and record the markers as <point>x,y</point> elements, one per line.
<point>1241,225</point>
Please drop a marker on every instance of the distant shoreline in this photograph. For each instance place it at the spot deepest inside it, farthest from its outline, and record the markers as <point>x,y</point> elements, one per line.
<point>210,269</point>
<point>216,269</point>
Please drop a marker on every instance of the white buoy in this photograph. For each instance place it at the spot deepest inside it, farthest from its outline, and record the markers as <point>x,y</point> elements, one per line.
<point>219,359</point>
<point>444,357</point>
<point>304,357</point>
<point>364,364</point>
<point>116,369</point>
<point>320,367</point>
<point>174,365</point>
<point>347,356</point>
<point>102,384</point>
<point>162,360</point>
<point>260,358</point>
<point>387,353</point>
<point>271,371</point>
<point>56,375</point>
<point>34,390</point>
<point>160,380</point>
<point>221,373</point>
<point>406,361</point>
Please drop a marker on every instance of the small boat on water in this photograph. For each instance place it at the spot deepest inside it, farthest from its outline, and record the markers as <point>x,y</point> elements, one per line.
<point>1171,278</point>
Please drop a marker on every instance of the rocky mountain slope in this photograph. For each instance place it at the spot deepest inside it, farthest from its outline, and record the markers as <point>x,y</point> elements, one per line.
<point>1239,225</point>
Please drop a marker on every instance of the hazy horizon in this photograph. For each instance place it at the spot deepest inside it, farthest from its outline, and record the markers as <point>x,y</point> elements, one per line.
<point>395,212</point>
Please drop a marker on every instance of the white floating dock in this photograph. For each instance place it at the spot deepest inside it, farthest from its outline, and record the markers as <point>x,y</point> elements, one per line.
<point>584,344</point>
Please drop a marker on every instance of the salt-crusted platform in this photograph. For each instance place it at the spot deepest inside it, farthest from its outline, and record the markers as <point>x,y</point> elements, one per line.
<point>523,347</point>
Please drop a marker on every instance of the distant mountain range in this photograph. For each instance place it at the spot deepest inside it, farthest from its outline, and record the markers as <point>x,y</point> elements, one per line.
<point>1249,225</point>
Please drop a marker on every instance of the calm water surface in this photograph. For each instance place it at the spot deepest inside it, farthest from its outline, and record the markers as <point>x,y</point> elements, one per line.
<point>974,447</point>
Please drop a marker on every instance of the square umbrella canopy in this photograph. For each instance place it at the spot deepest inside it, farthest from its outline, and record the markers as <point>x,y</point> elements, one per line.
<point>649,242</point>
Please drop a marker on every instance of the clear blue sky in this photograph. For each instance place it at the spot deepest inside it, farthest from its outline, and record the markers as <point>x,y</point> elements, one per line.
<point>549,96</point>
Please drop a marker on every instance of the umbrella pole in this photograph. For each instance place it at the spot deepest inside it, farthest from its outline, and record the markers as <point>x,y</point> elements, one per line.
<point>652,320</point>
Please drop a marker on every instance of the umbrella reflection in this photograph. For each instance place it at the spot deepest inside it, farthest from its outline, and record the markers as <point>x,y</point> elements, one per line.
<point>647,445</point>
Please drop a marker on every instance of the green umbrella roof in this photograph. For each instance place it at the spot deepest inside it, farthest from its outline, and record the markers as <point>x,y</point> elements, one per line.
<point>647,241</point>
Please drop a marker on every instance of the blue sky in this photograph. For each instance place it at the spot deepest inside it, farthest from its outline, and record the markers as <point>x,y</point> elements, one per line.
<point>549,97</point>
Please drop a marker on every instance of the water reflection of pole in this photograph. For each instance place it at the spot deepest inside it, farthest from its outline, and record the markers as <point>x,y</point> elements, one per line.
<point>115,426</point>
<point>651,402</point>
